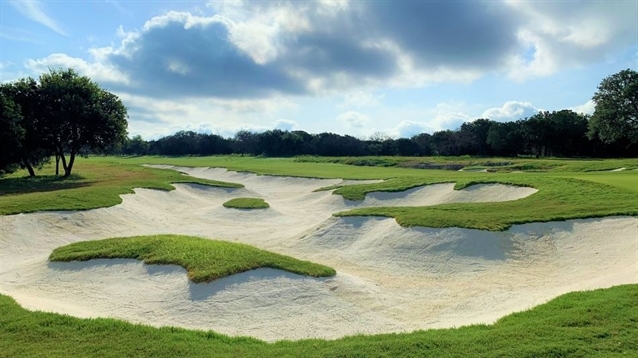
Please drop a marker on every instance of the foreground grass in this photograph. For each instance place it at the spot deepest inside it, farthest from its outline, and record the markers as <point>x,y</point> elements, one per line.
<point>247,203</point>
<point>204,260</point>
<point>94,184</point>
<point>595,323</point>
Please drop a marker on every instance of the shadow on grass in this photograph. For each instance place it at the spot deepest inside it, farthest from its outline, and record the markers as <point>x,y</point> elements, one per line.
<point>39,184</point>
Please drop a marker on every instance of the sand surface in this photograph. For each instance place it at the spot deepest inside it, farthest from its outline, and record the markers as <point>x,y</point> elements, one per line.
<point>390,278</point>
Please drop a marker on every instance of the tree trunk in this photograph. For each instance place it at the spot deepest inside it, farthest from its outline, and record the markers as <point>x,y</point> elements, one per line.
<point>29,168</point>
<point>57,165</point>
<point>69,167</point>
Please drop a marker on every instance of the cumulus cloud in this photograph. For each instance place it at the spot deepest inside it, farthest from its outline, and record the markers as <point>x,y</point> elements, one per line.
<point>353,119</point>
<point>97,70</point>
<point>558,35</point>
<point>408,129</point>
<point>511,110</point>
<point>585,108</point>
<point>257,49</point>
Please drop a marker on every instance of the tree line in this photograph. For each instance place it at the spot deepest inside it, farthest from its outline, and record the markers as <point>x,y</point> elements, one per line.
<point>60,115</point>
<point>559,133</point>
<point>612,131</point>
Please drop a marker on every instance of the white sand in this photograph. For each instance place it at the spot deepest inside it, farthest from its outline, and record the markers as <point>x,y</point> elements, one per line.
<point>618,169</point>
<point>390,279</point>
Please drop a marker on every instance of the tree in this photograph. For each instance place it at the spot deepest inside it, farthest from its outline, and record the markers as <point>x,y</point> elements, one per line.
<point>25,94</point>
<point>80,116</point>
<point>616,115</point>
<point>505,138</point>
<point>473,137</point>
<point>11,135</point>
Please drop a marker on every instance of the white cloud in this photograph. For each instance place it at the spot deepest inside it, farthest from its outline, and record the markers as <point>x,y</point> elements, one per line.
<point>561,34</point>
<point>353,119</point>
<point>408,129</point>
<point>585,108</point>
<point>96,70</point>
<point>33,10</point>
<point>511,110</point>
<point>286,124</point>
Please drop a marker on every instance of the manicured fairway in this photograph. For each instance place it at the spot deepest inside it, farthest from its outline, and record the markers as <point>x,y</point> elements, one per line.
<point>205,260</point>
<point>578,324</point>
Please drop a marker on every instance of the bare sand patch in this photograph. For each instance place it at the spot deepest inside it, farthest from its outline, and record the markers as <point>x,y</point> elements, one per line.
<point>390,278</point>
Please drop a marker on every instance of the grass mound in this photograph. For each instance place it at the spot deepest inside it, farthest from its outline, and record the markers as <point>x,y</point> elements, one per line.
<point>204,260</point>
<point>247,203</point>
<point>579,324</point>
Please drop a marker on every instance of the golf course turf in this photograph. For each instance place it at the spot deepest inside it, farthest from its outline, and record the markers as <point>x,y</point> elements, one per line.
<point>205,260</point>
<point>602,322</point>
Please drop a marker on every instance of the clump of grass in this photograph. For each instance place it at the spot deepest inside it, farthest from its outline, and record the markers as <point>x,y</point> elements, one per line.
<point>600,323</point>
<point>204,260</point>
<point>246,203</point>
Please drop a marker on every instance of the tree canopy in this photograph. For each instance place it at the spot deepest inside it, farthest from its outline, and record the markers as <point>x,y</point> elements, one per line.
<point>616,115</point>
<point>63,114</point>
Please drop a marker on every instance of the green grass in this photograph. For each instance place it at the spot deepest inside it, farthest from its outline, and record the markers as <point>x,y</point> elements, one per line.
<point>95,183</point>
<point>558,198</point>
<point>494,164</point>
<point>601,323</point>
<point>204,260</point>
<point>561,195</point>
<point>246,203</point>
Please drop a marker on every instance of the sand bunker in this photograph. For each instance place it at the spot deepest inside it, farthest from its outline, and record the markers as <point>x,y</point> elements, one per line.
<point>390,279</point>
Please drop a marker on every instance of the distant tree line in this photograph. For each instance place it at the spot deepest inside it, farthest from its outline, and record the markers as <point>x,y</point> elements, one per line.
<point>612,131</point>
<point>60,115</point>
<point>561,133</point>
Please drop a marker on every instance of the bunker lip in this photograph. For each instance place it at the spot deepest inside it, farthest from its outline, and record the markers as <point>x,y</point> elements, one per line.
<point>389,278</point>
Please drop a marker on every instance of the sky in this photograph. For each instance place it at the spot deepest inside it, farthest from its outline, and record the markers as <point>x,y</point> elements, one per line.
<point>344,66</point>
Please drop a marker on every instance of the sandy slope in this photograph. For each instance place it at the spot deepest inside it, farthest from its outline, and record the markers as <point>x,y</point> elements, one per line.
<point>389,278</point>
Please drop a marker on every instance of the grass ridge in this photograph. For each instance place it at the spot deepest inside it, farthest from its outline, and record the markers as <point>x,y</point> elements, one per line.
<point>204,260</point>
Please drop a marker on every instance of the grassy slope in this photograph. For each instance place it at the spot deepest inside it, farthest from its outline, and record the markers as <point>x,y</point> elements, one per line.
<point>246,203</point>
<point>94,184</point>
<point>204,260</point>
<point>596,323</point>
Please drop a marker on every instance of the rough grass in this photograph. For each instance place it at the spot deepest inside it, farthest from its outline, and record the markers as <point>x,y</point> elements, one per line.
<point>94,184</point>
<point>246,203</point>
<point>204,260</point>
<point>579,324</point>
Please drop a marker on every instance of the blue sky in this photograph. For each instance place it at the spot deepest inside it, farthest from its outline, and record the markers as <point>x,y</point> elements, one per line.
<point>343,66</point>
